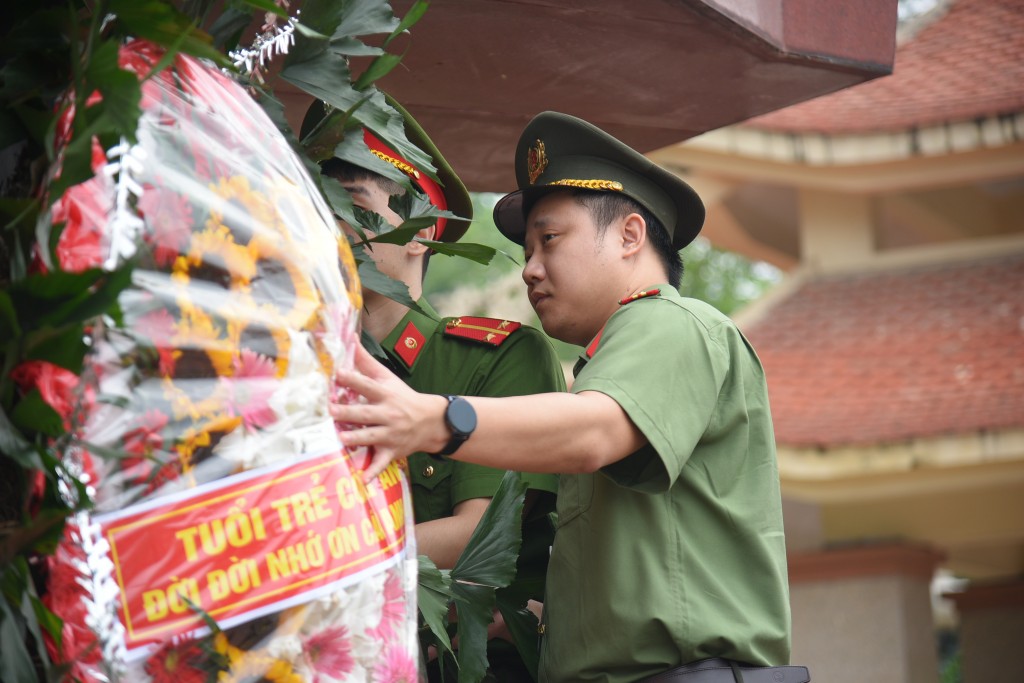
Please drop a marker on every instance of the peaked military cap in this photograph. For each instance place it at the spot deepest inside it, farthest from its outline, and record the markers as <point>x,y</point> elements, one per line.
<point>558,152</point>
<point>448,195</point>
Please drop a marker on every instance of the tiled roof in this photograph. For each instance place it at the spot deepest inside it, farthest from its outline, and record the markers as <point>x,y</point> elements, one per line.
<point>968,64</point>
<point>886,357</point>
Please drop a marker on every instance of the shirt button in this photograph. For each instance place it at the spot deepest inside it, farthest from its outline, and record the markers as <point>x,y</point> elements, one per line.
<point>428,471</point>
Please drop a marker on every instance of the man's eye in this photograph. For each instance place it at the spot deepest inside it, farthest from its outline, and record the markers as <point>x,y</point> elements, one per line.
<point>548,237</point>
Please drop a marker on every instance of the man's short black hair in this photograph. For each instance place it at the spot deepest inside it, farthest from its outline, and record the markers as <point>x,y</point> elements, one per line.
<point>606,207</point>
<point>343,171</point>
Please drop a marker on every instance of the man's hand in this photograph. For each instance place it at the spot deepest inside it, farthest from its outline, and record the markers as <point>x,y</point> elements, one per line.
<point>394,419</point>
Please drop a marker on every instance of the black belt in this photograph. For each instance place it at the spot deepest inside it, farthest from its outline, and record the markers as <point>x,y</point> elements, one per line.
<point>724,671</point>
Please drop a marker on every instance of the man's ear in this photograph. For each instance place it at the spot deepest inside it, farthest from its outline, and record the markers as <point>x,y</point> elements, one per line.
<point>416,248</point>
<point>634,234</point>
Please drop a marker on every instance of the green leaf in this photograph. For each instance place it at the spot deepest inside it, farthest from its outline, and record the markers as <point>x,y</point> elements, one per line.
<point>10,329</point>
<point>414,14</point>
<point>364,18</point>
<point>163,24</point>
<point>64,347</point>
<point>265,6</point>
<point>33,414</point>
<point>14,445</point>
<point>15,660</point>
<point>227,29</point>
<point>120,89</point>
<point>433,594</point>
<point>380,117</point>
<point>353,47</point>
<point>402,234</point>
<point>490,556</point>
<point>475,607</point>
<point>380,283</point>
<point>325,76</point>
<point>379,67</point>
<point>522,625</point>
<point>475,252</point>
<point>60,298</point>
<point>339,199</point>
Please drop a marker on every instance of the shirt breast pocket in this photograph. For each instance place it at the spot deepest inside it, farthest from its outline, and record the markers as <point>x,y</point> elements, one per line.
<point>575,494</point>
<point>431,480</point>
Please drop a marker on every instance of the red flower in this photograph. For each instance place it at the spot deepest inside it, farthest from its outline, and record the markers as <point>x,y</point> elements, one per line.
<point>178,663</point>
<point>83,209</point>
<point>141,442</point>
<point>146,437</point>
<point>169,218</point>
<point>65,598</point>
<point>55,384</point>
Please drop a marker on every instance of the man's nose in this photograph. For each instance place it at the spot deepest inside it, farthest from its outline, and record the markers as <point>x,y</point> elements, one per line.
<point>532,271</point>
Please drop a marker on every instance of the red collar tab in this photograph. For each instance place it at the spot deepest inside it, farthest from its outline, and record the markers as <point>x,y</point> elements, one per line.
<point>430,186</point>
<point>487,330</point>
<point>409,344</point>
<point>592,348</point>
<point>643,293</point>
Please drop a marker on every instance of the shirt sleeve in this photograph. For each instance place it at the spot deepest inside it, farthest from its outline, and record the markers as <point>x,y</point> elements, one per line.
<point>664,368</point>
<point>524,364</point>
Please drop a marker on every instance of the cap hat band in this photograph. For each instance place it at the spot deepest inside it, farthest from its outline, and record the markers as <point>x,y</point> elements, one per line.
<point>590,184</point>
<point>429,186</point>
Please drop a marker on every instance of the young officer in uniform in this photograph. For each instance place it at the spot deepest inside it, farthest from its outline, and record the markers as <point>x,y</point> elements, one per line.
<point>459,356</point>
<point>669,559</point>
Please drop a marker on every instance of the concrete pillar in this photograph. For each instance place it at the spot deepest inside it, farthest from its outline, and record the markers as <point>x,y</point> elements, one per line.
<point>991,632</point>
<point>836,229</point>
<point>864,613</point>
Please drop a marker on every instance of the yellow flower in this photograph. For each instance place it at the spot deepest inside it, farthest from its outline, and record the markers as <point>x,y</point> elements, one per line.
<point>247,666</point>
<point>243,211</point>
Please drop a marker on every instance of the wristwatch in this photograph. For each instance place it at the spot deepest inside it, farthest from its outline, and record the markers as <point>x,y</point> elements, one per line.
<point>461,420</point>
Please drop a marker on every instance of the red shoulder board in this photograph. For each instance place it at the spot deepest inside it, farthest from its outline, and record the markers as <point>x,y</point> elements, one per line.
<point>639,295</point>
<point>487,330</point>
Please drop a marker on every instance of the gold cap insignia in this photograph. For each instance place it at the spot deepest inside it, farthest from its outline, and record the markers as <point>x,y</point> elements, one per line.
<point>536,161</point>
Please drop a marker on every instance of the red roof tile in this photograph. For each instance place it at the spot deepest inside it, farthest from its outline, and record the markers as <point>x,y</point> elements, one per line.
<point>967,64</point>
<point>885,357</point>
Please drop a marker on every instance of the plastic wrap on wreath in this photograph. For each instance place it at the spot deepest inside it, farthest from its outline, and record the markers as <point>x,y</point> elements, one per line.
<point>233,538</point>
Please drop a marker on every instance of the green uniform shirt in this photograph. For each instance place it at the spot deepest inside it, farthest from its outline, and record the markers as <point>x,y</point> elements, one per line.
<point>524,363</point>
<point>675,553</point>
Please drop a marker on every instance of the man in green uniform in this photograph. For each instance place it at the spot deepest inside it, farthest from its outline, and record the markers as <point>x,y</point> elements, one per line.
<point>669,555</point>
<point>464,355</point>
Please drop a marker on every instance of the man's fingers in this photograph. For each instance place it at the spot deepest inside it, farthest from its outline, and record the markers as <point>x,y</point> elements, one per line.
<point>370,366</point>
<point>354,413</point>
<point>381,458</point>
<point>359,383</point>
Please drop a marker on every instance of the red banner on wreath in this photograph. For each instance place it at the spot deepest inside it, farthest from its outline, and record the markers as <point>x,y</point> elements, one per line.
<point>257,542</point>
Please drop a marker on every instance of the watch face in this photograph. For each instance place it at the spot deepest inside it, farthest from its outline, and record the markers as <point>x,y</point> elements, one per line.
<point>460,416</point>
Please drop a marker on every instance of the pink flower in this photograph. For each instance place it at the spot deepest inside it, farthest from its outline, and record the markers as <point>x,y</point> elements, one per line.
<point>328,652</point>
<point>396,667</point>
<point>169,218</point>
<point>248,392</point>
<point>160,326</point>
<point>393,611</point>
